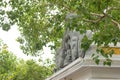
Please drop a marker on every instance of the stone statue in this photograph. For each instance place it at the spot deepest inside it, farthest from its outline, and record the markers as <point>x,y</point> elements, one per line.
<point>74,45</point>
<point>71,48</point>
<point>67,49</point>
<point>60,58</point>
<point>68,58</point>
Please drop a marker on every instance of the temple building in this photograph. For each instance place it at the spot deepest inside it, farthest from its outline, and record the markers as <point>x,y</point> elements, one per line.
<point>73,63</point>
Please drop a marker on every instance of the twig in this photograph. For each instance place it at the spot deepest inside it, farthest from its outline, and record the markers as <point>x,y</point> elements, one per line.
<point>116,23</point>
<point>94,21</point>
<point>95,14</point>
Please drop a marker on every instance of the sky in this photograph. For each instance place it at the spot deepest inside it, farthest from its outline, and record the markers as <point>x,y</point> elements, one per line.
<point>9,37</point>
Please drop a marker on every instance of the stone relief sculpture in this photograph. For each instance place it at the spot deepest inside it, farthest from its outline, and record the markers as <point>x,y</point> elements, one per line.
<point>71,45</point>
<point>59,58</point>
<point>70,49</point>
<point>67,48</point>
<point>74,45</point>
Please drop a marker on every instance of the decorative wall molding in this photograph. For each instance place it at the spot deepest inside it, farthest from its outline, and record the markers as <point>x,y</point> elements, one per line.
<point>87,69</point>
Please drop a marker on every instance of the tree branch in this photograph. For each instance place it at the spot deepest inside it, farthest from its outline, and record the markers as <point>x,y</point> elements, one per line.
<point>101,16</point>
<point>95,14</point>
<point>116,23</point>
<point>97,20</point>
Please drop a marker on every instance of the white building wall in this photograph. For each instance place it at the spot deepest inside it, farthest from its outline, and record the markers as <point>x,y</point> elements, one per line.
<point>86,69</point>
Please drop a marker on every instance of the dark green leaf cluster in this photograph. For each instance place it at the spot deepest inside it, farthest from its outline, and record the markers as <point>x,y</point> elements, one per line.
<point>85,43</point>
<point>106,56</point>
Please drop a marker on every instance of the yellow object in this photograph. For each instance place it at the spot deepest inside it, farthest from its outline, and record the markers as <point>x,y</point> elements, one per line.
<point>115,49</point>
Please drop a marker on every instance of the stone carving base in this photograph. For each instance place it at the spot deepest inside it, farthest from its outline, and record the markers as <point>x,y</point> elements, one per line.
<point>86,69</point>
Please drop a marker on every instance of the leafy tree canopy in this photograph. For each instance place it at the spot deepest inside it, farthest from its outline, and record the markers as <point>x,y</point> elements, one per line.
<point>7,62</point>
<point>44,21</point>
<point>12,68</point>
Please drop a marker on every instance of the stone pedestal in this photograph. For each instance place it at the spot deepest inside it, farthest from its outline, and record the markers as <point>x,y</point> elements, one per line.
<point>86,69</point>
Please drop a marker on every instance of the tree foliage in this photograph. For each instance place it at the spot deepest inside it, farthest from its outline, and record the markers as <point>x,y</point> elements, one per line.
<point>44,21</point>
<point>12,68</point>
<point>30,70</point>
<point>7,63</point>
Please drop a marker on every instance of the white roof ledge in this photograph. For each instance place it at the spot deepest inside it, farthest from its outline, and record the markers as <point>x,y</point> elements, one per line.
<point>82,65</point>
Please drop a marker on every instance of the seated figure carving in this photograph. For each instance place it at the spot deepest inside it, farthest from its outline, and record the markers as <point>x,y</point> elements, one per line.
<point>70,49</point>
<point>60,58</point>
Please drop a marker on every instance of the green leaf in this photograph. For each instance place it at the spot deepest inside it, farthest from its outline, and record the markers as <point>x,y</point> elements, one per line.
<point>85,43</point>
<point>108,63</point>
<point>96,57</point>
<point>104,63</point>
<point>111,53</point>
<point>93,55</point>
<point>6,27</point>
<point>97,61</point>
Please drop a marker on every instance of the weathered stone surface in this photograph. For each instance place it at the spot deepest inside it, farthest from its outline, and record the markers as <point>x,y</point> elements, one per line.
<point>71,48</point>
<point>59,58</point>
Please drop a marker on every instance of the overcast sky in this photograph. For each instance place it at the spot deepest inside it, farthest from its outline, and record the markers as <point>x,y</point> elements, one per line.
<point>9,37</point>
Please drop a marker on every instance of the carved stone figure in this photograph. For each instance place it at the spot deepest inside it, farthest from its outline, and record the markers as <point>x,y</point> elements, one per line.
<point>70,49</point>
<point>81,51</point>
<point>60,58</point>
<point>74,47</point>
<point>89,34</point>
<point>67,49</point>
<point>68,58</point>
